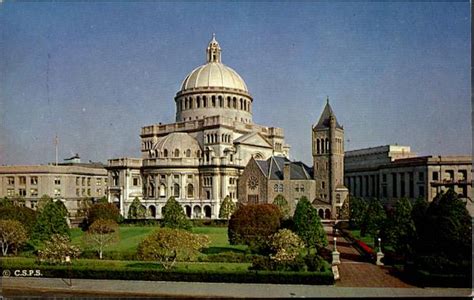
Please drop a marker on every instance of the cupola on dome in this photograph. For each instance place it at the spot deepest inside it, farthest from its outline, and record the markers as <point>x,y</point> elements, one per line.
<point>214,73</point>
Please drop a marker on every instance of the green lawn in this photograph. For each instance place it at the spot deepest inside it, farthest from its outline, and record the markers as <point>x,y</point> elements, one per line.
<point>368,239</point>
<point>131,236</point>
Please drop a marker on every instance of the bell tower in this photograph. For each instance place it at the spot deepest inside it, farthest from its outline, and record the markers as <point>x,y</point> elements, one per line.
<point>328,158</point>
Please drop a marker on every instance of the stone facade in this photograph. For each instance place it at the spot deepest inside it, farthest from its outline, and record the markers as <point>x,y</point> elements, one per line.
<point>263,180</point>
<point>68,182</point>
<point>199,158</point>
<point>392,172</point>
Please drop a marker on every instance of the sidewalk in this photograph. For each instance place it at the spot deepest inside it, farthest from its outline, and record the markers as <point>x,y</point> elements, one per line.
<point>17,286</point>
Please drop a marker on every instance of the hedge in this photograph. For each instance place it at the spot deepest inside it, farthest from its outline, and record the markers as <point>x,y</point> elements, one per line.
<point>138,273</point>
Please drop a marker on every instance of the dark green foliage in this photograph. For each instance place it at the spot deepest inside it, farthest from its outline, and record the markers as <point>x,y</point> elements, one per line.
<point>25,215</point>
<point>52,220</point>
<point>106,211</point>
<point>399,229</point>
<point>136,210</point>
<point>344,213</point>
<point>314,262</point>
<point>373,219</point>
<point>357,211</point>
<point>265,263</point>
<point>227,257</point>
<point>444,232</point>
<point>174,216</point>
<point>6,202</point>
<point>308,225</point>
<point>45,199</point>
<point>103,199</point>
<point>253,224</point>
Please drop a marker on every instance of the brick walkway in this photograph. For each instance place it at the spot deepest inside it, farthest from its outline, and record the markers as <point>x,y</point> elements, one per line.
<point>354,271</point>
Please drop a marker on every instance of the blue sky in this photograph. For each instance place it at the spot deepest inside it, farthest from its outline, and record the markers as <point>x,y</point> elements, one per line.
<point>394,72</point>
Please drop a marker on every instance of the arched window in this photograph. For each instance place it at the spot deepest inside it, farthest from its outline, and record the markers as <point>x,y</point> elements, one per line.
<point>204,101</point>
<point>188,153</point>
<point>234,104</point>
<point>176,152</point>
<point>280,188</point>
<point>208,195</point>
<point>207,211</point>
<point>176,190</point>
<point>327,214</point>
<point>221,101</point>
<point>190,103</point>
<point>190,191</point>
<point>213,101</point>
<point>228,102</point>
<point>275,188</point>
<point>198,153</point>
<point>162,191</point>
<point>198,102</point>
<point>317,146</point>
<point>327,145</point>
<point>241,104</point>
<point>165,153</point>
<point>321,213</point>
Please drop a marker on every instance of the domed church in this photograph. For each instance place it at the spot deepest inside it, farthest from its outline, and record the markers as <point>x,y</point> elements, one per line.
<point>199,158</point>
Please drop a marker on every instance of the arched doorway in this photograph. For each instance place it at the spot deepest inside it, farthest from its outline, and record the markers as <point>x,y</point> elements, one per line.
<point>187,208</point>
<point>197,212</point>
<point>321,213</point>
<point>152,211</point>
<point>207,211</point>
<point>327,214</point>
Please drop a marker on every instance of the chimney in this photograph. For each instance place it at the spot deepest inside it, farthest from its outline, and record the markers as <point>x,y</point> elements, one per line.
<point>286,170</point>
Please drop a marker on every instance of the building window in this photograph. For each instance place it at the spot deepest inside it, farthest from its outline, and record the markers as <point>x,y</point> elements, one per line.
<point>323,184</point>
<point>421,176</point>
<point>176,152</point>
<point>275,188</point>
<point>115,180</point>
<point>190,177</point>
<point>188,153</point>
<point>280,188</point>
<point>10,192</point>
<point>34,180</point>
<point>57,192</point>
<point>99,191</point>
<point>88,181</point>
<point>302,188</point>
<point>176,190</point>
<point>57,180</point>
<point>34,192</point>
<point>165,153</point>
<point>22,180</point>
<point>190,191</point>
<point>208,195</point>
<point>22,192</point>
<point>421,191</point>
<point>136,181</point>
<point>78,180</point>
<point>83,181</point>
<point>88,192</point>
<point>11,180</point>
<point>162,191</point>
<point>435,175</point>
<point>98,181</point>
<point>78,192</point>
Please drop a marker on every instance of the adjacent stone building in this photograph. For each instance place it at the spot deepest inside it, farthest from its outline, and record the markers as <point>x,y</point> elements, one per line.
<point>199,158</point>
<point>70,182</point>
<point>391,172</point>
<point>263,180</point>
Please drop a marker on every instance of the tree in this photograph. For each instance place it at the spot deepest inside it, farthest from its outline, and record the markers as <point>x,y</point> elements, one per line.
<point>107,211</point>
<point>168,245</point>
<point>6,202</point>
<point>227,208</point>
<point>101,234</point>
<point>12,235</point>
<point>253,224</point>
<point>373,219</point>
<point>174,216</point>
<point>136,210</point>
<point>357,211</point>
<point>26,216</point>
<point>45,199</point>
<point>308,225</point>
<point>52,220</point>
<point>444,232</point>
<point>282,204</point>
<point>345,211</point>
<point>57,249</point>
<point>286,245</point>
<point>102,199</point>
<point>399,229</point>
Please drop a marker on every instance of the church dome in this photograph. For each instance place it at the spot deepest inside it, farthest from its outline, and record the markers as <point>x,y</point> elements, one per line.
<point>214,75</point>
<point>177,144</point>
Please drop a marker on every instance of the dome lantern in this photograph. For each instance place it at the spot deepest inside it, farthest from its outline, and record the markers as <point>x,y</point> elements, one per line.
<point>213,51</point>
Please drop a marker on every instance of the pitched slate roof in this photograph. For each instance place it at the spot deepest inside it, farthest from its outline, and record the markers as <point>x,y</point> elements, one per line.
<point>325,117</point>
<point>273,168</point>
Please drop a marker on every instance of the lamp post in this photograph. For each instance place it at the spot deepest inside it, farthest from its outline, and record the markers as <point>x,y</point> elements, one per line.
<point>68,261</point>
<point>380,254</point>
<point>335,255</point>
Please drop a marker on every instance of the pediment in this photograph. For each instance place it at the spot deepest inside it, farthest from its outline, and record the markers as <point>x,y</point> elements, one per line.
<point>253,139</point>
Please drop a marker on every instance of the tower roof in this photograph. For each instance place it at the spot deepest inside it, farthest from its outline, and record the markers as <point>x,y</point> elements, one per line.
<point>324,120</point>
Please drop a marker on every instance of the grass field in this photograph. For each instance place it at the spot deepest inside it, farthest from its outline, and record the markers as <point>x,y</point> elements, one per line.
<point>131,236</point>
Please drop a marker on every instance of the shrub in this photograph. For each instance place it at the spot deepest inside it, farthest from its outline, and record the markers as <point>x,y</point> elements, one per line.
<point>265,263</point>
<point>227,257</point>
<point>253,224</point>
<point>283,205</point>
<point>227,208</point>
<point>286,245</point>
<point>314,262</point>
<point>52,220</point>
<point>26,216</point>
<point>57,249</point>
<point>174,216</point>
<point>308,225</point>
<point>101,234</point>
<point>136,210</point>
<point>167,245</point>
<point>12,235</point>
